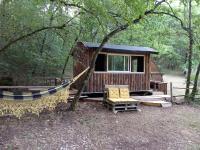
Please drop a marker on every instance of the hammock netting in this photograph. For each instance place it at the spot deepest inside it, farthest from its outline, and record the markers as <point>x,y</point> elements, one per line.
<point>18,105</point>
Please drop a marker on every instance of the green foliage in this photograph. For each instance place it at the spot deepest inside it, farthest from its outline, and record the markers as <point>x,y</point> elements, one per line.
<point>44,53</point>
<point>169,58</point>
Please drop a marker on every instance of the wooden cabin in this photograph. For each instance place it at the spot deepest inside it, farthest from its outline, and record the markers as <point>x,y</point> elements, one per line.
<point>115,65</point>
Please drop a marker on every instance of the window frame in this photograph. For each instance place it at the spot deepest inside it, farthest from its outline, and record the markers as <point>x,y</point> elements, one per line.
<point>124,62</point>
<point>129,63</point>
<point>143,62</point>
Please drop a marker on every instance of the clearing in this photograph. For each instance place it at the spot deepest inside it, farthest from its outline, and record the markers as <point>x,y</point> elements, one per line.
<point>178,81</point>
<point>94,127</point>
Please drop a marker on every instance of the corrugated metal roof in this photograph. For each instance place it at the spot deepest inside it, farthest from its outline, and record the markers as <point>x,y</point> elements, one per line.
<point>120,48</point>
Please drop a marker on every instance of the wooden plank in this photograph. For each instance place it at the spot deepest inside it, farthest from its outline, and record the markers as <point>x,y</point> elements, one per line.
<point>156,103</point>
<point>152,97</point>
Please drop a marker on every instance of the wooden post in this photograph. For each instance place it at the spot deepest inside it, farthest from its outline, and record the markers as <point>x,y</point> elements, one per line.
<point>171,91</point>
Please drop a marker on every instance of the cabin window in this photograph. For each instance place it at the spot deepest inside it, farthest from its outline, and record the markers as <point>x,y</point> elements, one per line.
<point>101,63</point>
<point>137,64</point>
<point>118,63</point>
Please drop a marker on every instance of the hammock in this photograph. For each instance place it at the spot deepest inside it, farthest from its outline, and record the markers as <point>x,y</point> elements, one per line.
<point>18,105</point>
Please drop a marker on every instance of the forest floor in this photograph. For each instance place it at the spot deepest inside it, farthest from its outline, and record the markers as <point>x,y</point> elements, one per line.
<point>94,127</point>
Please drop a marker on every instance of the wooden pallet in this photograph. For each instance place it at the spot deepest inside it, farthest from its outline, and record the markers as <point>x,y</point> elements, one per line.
<point>119,107</point>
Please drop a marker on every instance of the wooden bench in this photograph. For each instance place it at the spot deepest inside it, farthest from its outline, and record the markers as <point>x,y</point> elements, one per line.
<point>117,98</point>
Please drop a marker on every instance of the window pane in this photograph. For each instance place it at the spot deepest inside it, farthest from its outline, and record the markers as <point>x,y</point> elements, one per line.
<point>100,64</point>
<point>126,62</point>
<point>140,64</point>
<point>134,64</point>
<point>137,64</point>
<point>117,63</point>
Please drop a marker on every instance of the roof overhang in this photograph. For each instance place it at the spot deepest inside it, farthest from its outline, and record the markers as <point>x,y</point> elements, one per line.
<point>124,49</point>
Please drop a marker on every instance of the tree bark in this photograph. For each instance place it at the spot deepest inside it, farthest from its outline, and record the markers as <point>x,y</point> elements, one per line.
<point>194,89</point>
<point>190,36</point>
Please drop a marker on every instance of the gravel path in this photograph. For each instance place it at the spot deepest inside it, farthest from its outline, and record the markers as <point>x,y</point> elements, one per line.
<point>93,127</point>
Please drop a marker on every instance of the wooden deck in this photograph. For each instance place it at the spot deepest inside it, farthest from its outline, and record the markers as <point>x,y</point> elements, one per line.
<point>153,100</point>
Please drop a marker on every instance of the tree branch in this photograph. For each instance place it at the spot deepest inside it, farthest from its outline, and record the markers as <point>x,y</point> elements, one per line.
<point>76,5</point>
<point>11,42</point>
<point>84,9</point>
<point>174,16</point>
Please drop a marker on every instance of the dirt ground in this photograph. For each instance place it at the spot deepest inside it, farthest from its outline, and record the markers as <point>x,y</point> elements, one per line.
<point>177,82</point>
<point>94,127</point>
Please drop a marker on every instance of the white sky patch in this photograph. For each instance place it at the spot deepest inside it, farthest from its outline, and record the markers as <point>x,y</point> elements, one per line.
<point>66,10</point>
<point>175,3</point>
<point>72,12</point>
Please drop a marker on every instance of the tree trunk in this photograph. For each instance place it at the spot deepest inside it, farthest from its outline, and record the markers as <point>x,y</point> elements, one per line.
<point>187,91</point>
<point>92,65</point>
<point>194,90</point>
<point>105,39</point>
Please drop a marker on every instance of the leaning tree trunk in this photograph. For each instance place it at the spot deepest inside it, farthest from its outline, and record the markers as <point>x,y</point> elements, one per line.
<point>194,89</point>
<point>92,65</point>
<point>187,91</point>
<point>105,39</point>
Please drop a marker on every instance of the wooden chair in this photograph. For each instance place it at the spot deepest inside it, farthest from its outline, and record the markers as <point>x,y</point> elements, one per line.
<point>117,98</point>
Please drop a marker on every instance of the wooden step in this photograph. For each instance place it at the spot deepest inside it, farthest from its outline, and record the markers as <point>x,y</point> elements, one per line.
<point>152,97</point>
<point>148,98</point>
<point>156,103</point>
<point>154,100</point>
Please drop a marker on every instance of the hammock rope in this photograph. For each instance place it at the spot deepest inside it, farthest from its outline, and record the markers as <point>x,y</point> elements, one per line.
<point>18,105</point>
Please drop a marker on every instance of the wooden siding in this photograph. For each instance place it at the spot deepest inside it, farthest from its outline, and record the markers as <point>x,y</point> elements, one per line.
<point>80,63</point>
<point>96,83</point>
<point>136,82</point>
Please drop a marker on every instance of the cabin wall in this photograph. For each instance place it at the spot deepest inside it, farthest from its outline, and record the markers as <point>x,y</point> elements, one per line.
<point>80,63</point>
<point>96,83</point>
<point>136,81</point>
